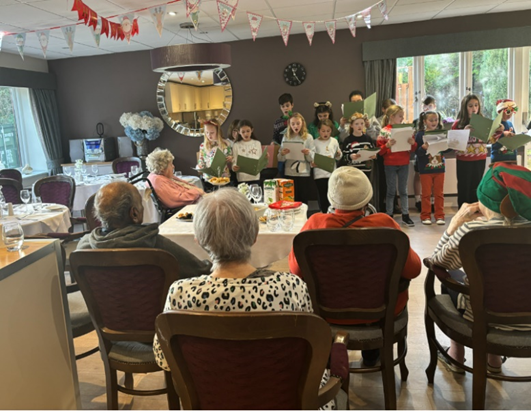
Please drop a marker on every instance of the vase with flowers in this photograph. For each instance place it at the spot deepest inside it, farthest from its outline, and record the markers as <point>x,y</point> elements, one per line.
<point>140,128</point>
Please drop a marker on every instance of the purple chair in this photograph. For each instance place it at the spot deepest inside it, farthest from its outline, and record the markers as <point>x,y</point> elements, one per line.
<point>11,174</point>
<point>59,189</point>
<point>123,165</point>
<point>11,190</point>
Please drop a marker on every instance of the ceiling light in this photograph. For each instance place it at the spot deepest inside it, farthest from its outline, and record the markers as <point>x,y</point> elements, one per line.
<point>172,13</point>
<point>191,57</point>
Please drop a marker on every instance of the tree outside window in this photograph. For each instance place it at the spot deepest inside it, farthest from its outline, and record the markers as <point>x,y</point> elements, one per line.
<point>441,80</point>
<point>9,150</point>
<point>489,78</point>
<point>404,87</point>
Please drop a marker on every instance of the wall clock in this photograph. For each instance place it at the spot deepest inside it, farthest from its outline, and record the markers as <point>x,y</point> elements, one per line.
<point>294,74</point>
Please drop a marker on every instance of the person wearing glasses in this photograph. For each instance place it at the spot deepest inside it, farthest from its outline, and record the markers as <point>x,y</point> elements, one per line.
<point>500,153</point>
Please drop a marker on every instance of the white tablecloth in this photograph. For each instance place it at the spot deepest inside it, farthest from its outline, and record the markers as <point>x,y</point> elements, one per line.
<point>269,246</point>
<point>42,222</point>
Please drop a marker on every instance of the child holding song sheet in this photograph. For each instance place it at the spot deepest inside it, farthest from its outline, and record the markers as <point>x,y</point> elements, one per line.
<point>326,153</point>
<point>358,141</point>
<point>247,146</point>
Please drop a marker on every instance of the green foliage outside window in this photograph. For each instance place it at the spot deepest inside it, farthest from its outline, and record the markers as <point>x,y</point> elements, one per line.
<point>489,78</point>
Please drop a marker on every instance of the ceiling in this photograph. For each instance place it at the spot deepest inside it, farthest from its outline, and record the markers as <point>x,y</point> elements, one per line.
<point>29,15</point>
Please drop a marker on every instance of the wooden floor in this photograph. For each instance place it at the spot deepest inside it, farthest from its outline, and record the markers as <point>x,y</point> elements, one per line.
<point>449,392</point>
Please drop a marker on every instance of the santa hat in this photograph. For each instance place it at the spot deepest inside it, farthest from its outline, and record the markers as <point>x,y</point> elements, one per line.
<point>506,189</point>
<point>503,104</point>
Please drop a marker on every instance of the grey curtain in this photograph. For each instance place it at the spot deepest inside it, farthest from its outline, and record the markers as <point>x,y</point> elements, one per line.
<point>380,77</point>
<point>46,115</point>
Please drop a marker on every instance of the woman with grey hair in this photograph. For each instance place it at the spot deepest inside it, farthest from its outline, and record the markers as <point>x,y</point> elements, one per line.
<point>172,191</point>
<point>226,226</point>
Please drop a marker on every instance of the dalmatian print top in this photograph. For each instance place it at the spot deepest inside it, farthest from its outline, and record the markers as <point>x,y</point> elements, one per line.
<point>263,290</point>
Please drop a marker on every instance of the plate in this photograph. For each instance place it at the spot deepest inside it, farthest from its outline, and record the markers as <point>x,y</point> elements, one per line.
<point>186,219</point>
<point>53,208</point>
<point>219,183</point>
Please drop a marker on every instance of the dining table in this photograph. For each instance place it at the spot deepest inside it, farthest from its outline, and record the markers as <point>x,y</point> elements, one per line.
<point>269,247</point>
<point>49,218</point>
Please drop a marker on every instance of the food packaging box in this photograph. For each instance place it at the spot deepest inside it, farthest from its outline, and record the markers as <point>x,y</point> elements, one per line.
<point>271,191</point>
<point>286,189</point>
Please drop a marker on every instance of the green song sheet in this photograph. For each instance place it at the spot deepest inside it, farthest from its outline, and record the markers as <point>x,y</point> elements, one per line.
<point>366,107</point>
<point>514,142</point>
<point>483,128</point>
<point>324,162</point>
<point>217,166</point>
<point>252,166</point>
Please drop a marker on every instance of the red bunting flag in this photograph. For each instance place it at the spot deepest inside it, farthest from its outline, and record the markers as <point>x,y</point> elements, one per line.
<point>104,27</point>
<point>181,76</point>
<point>135,27</point>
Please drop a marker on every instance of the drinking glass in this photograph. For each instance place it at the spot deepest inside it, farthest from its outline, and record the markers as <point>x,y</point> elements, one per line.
<point>256,193</point>
<point>13,235</point>
<point>25,196</point>
<point>272,220</point>
<point>134,170</point>
<point>95,169</point>
<point>287,219</point>
<point>67,170</point>
<point>37,203</point>
<point>178,174</point>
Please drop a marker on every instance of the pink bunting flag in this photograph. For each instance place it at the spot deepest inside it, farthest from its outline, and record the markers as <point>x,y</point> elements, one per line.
<point>367,17</point>
<point>351,20</point>
<point>44,37</point>
<point>331,30</point>
<point>20,41</point>
<point>225,12</point>
<point>194,17</point>
<point>383,9</point>
<point>309,29</point>
<point>181,76</point>
<point>69,33</point>
<point>126,21</point>
<point>192,6</point>
<point>255,20</point>
<point>158,14</point>
<point>234,4</point>
<point>285,29</point>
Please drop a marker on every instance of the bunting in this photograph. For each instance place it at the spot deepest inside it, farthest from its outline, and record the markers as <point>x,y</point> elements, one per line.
<point>383,9</point>
<point>285,29</point>
<point>192,6</point>
<point>181,76</point>
<point>234,4</point>
<point>69,32</point>
<point>194,16</point>
<point>351,20</point>
<point>158,13</point>
<point>309,28</point>
<point>127,26</point>
<point>225,12</point>
<point>255,20</point>
<point>96,32</point>
<point>331,30</point>
<point>43,37</point>
<point>20,41</point>
<point>367,17</point>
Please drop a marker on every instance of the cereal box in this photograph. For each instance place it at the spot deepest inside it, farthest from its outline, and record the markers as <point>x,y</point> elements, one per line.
<point>286,190</point>
<point>271,191</point>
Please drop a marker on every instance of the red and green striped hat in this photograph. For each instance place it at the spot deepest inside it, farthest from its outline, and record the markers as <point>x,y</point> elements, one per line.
<point>503,180</point>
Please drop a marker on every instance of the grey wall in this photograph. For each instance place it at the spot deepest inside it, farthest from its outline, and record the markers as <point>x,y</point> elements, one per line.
<point>100,88</point>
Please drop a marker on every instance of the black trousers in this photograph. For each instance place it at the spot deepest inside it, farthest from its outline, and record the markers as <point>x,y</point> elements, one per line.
<point>469,175</point>
<point>322,194</point>
<point>302,187</point>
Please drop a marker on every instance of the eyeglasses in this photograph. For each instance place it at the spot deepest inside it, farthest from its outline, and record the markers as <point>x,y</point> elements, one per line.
<point>508,111</point>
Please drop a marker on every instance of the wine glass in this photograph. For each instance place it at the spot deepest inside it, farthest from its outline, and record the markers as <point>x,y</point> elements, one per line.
<point>25,196</point>
<point>13,235</point>
<point>256,193</point>
<point>95,169</point>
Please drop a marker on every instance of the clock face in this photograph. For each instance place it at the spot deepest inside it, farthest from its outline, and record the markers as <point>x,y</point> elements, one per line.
<point>294,74</point>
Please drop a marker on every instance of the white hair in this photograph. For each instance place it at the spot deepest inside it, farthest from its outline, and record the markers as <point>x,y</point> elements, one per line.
<point>158,160</point>
<point>226,226</point>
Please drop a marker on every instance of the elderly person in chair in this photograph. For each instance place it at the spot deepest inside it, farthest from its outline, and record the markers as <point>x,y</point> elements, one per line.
<point>504,198</point>
<point>172,191</point>
<point>349,192</point>
<point>119,208</point>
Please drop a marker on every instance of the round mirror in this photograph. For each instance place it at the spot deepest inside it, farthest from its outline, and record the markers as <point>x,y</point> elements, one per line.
<point>186,98</point>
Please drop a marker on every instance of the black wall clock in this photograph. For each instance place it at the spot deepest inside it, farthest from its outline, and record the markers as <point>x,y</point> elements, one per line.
<point>294,74</point>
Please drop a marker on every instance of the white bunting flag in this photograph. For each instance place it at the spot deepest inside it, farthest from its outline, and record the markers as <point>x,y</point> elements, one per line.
<point>43,37</point>
<point>20,41</point>
<point>158,14</point>
<point>69,32</point>
<point>331,30</point>
<point>192,6</point>
<point>383,9</point>
<point>199,73</point>
<point>194,16</point>
<point>225,12</point>
<point>255,20</point>
<point>309,28</point>
<point>181,76</point>
<point>285,29</point>
<point>127,26</point>
<point>234,4</point>
<point>96,32</point>
<point>367,17</point>
<point>351,20</point>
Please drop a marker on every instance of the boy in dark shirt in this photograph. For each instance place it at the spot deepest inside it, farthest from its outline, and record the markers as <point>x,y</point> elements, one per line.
<point>286,106</point>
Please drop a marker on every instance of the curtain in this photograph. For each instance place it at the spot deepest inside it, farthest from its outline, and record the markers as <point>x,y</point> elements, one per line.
<point>380,77</point>
<point>46,115</point>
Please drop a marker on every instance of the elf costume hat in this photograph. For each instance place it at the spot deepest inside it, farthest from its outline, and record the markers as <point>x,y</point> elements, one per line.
<point>506,104</point>
<point>506,189</point>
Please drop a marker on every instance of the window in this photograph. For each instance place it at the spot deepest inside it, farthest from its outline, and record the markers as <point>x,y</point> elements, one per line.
<point>405,87</point>
<point>441,80</point>
<point>9,152</point>
<point>489,78</point>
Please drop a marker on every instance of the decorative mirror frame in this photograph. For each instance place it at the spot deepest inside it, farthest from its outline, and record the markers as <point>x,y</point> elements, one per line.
<point>178,127</point>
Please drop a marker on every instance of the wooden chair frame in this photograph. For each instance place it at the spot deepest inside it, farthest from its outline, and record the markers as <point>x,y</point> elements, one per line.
<point>57,178</point>
<point>9,172</point>
<point>356,237</point>
<point>470,253</point>
<point>14,183</point>
<point>126,257</point>
<point>249,326</point>
<point>125,159</point>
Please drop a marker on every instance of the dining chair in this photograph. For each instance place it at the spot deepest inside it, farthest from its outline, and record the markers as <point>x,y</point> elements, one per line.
<point>11,190</point>
<point>355,274</point>
<point>252,360</point>
<point>121,165</point>
<point>125,290</point>
<point>164,211</point>
<point>11,174</point>
<point>57,189</point>
<point>497,263</point>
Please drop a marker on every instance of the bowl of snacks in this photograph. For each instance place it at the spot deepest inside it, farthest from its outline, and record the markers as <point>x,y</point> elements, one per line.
<point>259,209</point>
<point>185,216</point>
<point>219,181</point>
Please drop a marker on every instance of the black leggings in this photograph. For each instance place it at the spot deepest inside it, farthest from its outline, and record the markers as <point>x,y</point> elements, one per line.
<point>469,175</point>
<point>322,194</point>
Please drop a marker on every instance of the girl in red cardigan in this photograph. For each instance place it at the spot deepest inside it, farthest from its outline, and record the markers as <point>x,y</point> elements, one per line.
<point>396,164</point>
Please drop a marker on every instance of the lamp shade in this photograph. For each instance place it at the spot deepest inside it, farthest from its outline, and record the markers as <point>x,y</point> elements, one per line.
<point>191,57</point>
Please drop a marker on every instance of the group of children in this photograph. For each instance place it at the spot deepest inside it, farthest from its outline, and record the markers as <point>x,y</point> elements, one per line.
<point>343,141</point>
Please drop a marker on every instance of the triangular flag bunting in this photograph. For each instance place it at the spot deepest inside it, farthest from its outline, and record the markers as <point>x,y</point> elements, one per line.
<point>93,19</point>
<point>199,73</point>
<point>135,27</point>
<point>383,9</point>
<point>285,29</point>
<point>69,32</point>
<point>234,4</point>
<point>157,15</point>
<point>255,20</point>
<point>367,17</point>
<point>43,37</point>
<point>331,30</point>
<point>194,16</point>
<point>225,12</point>
<point>181,76</point>
<point>126,22</point>
<point>96,32</point>
<point>309,28</point>
<point>105,27</point>
<point>351,20</point>
<point>20,41</point>
<point>192,6</point>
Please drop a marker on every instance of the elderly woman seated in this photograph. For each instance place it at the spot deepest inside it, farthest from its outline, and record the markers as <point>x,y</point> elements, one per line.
<point>504,199</point>
<point>172,192</point>
<point>226,226</point>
